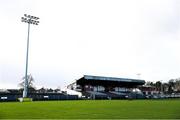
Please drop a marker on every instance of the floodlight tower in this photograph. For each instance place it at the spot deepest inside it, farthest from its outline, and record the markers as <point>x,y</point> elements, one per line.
<point>30,20</point>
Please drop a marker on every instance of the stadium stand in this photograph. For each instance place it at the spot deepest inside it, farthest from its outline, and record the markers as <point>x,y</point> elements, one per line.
<point>98,87</point>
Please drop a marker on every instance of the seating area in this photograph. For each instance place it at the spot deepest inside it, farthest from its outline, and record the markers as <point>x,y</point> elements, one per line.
<point>119,93</point>
<point>113,95</point>
<point>95,95</point>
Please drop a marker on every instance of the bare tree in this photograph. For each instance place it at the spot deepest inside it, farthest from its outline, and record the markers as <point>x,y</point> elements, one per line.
<point>30,85</point>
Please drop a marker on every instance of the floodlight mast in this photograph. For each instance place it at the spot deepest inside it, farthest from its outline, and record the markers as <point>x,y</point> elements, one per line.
<point>30,20</point>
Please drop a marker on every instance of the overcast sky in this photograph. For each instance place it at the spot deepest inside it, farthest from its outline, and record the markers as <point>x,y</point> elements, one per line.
<point>117,38</point>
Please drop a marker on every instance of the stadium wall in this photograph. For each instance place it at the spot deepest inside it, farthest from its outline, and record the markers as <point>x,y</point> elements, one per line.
<point>37,96</point>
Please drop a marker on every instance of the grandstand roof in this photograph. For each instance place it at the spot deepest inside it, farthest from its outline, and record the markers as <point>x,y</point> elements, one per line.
<point>100,80</point>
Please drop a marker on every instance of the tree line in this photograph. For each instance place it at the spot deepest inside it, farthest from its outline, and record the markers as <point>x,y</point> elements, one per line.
<point>172,86</point>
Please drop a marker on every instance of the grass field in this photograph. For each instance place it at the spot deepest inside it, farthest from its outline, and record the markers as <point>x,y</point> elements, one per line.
<point>95,109</point>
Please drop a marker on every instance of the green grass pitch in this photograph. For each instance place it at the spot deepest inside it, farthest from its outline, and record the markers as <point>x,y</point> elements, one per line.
<point>92,109</point>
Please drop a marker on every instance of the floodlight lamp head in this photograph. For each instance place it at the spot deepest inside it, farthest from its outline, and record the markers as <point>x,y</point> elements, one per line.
<point>37,18</point>
<point>30,19</point>
<point>23,19</point>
